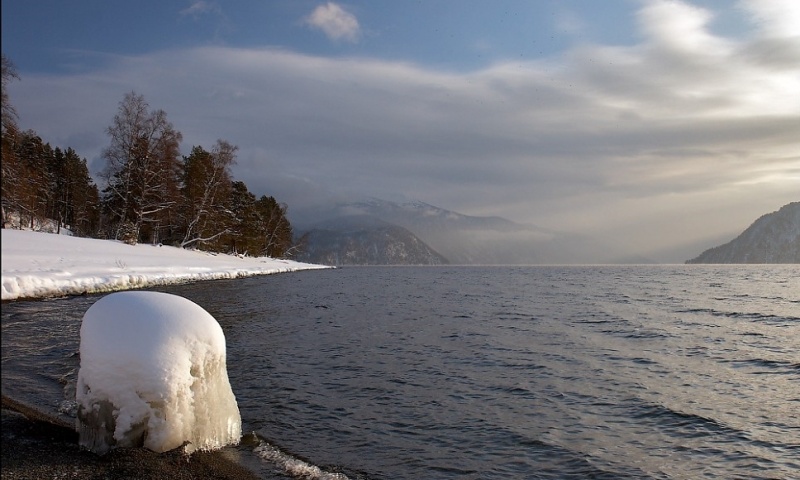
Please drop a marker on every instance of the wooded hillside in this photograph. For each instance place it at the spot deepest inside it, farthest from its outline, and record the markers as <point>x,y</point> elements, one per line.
<point>149,192</point>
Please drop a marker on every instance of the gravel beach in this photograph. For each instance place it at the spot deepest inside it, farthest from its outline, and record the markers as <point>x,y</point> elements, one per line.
<point>36,446</point>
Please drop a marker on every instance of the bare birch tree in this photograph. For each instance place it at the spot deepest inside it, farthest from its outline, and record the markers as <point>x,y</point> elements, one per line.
<point>10,164</point>
<point>9,114</point>
<point>142,166</point>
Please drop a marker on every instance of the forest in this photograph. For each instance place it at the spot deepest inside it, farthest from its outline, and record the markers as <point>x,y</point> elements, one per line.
<point>149,192</point>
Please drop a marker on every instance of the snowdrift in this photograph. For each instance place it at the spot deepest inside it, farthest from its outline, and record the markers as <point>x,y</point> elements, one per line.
<point>37,265</point>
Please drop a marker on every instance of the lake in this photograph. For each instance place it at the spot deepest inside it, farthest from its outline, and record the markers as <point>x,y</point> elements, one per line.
<point>684,371</point>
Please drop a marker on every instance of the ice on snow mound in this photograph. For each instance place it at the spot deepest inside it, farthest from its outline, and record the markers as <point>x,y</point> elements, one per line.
<point>153,374</point>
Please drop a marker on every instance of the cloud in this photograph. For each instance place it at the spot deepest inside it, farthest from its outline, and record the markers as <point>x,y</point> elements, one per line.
<point>199,8</point>
<point>654,144</point>
<point>335,22</point>
<point>677,25</point>
<point>778,18</point>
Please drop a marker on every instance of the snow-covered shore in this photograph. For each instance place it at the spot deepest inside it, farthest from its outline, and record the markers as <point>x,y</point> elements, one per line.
<point>39,265</point>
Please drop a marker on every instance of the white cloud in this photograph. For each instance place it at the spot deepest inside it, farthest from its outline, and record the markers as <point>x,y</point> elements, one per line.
<point>337,23</point>
<point>677,25</point>
<point>780,18</point>
<point>200,7</point>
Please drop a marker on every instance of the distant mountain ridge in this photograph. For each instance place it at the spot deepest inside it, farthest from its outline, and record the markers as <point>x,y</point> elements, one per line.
<point>365,240</point>
<point>459,238</point>
<point>433,235</point>
<point>773,238</point>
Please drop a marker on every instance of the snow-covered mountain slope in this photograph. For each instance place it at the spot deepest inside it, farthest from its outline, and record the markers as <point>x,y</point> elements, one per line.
<point>773,238</point>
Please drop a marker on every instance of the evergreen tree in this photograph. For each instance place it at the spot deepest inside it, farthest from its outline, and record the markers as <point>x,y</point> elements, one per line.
<point>275,232</point>
<point>243,232</point>
<point>34,190</point>
<point>78,195</point>
<point>206,188</point>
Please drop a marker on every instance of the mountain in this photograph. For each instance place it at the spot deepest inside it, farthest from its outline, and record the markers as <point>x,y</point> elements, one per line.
<point>460,239</point>
<point>364,240</point>
<point>773,238</point>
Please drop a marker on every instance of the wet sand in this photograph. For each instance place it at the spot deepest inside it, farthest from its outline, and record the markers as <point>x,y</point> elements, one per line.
<point>35,446</point>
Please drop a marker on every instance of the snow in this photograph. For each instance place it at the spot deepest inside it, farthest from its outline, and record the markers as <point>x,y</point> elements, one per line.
<point>36,265</point>
<point>153,374</point>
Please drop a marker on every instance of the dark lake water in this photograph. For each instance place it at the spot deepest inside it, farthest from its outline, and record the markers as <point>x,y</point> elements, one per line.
<point>486,372</point>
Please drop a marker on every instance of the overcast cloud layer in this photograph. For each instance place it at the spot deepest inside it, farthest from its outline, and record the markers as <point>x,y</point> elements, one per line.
<point>685,136</point>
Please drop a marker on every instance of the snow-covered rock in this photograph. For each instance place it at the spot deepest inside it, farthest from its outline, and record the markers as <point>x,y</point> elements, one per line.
<point>153,374</point>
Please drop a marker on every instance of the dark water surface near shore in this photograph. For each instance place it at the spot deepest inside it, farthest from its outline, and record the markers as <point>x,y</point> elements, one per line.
<point>486,372</point>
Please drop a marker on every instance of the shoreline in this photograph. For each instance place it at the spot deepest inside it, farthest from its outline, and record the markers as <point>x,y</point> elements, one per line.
<point>39,265</point>
<point>139,284</point>
<point>37,445</point>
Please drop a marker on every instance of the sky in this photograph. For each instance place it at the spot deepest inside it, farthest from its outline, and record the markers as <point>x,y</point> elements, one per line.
<point>665,127</point>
